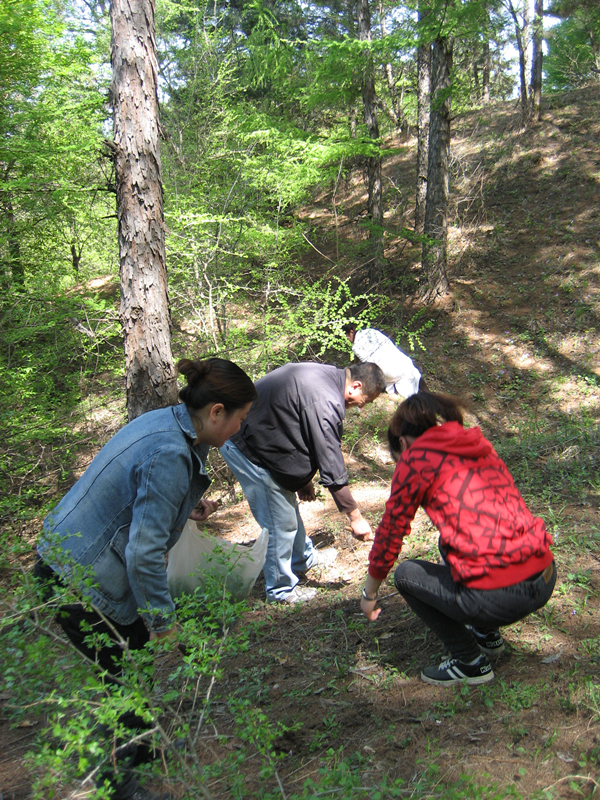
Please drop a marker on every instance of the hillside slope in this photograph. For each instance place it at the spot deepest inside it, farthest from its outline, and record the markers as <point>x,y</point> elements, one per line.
<point>520,338</point>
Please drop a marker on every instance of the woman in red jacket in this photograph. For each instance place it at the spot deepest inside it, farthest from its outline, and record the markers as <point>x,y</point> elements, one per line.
<point>497,564</point>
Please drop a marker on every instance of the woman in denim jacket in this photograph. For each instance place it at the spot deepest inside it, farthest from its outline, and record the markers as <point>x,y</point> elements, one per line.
<point>117,523</point>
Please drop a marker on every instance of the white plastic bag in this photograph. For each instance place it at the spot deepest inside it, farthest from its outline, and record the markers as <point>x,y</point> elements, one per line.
<point>197,553</point>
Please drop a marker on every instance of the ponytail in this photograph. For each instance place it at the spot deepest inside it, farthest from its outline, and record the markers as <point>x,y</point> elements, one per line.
<point>418,413</point>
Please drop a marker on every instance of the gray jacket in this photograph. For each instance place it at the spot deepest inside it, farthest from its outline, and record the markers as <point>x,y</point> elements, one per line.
<point>295,426</point>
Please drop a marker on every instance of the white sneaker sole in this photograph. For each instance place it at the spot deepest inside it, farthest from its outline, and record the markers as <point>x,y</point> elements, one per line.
<point>474,681</point>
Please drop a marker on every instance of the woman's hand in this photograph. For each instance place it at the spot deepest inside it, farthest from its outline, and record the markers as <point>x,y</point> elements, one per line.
<point>369,598</point>
<point>203,510</point>
<point>368,609</point>
<point>169,635</point>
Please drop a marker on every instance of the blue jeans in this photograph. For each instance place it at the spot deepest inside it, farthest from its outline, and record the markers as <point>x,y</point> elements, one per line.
<point>446,606</point>
<point>289,550</point>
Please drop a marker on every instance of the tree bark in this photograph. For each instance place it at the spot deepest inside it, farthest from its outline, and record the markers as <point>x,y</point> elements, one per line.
<point>13,273</point>
<point>369,97</point>
<point>485,82</point>
<point>76,250</point>
<point>522,39</point>
<point>537,60</point>
<point>423,102</point>
<point>435,227</point>
<point>150,374</point>
<point>396,114</point>
<point>483,91</point>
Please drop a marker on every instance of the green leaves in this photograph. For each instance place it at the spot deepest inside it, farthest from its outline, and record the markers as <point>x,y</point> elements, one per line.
<point>573,49</point>
<point>312,319</point>
<point>45,344</point>
<point>51,114</point>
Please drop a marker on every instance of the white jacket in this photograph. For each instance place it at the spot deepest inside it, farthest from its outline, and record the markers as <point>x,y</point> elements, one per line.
<point>401,375</point>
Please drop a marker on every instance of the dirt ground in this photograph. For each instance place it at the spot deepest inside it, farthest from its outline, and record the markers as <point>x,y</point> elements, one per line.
<point>357,686</point>
<point>525,261</point>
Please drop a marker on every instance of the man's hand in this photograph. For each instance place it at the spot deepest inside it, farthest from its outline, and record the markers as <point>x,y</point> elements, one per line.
<point>203,510</point>
<point>361,529</point>
<point>307,493</point>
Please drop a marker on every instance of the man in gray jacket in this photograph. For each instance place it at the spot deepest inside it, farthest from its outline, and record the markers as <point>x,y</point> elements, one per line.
<point>293,430</point>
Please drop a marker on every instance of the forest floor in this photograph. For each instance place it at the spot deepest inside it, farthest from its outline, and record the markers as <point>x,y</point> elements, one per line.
<point>519,337</point>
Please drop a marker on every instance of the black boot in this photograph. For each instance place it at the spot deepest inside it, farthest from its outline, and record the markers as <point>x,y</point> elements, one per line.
<point>128,788</point>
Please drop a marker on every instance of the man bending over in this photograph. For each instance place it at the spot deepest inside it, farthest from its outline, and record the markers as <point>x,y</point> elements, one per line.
<point>293,430</point>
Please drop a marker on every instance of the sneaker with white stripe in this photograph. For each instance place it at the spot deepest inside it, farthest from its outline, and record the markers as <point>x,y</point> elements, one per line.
<point>453,671</point>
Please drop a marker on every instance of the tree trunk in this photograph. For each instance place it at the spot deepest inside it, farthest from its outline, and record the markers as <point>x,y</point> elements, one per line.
<point>435,227</point>
<point>76,250</point>
<point>13,273</point>
<point>369,97</point>
<point>485,81</point>
<point>537,59</point>
<point>150,374</point>
<point>353,114</point>
<point>423,101</point>
<point>522,38</point>
<point>484,95</point>
<point>396,113</point>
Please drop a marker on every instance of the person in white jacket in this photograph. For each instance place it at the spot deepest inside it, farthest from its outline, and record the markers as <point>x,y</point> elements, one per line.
<point>401,375</point>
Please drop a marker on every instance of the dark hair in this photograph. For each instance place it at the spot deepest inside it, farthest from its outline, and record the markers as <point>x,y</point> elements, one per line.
<point>370,375</point>
<point>418,413</point>
<point>215,380</point>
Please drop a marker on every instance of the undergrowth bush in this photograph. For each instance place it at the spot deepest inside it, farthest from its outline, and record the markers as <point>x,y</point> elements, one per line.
<point>49,347</point>
<point>310,319</point>
<point>209,743</point>
<point>81,707</point>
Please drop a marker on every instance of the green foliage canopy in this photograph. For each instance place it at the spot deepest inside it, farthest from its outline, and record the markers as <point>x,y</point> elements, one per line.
<point>573,56</point>
<point>51,117</point>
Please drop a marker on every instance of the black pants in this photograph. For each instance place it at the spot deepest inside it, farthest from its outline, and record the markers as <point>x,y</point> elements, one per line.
<point>78,623</point>
<point>447,607</point>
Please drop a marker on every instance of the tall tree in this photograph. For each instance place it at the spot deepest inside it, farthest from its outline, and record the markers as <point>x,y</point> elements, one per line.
<point>394,110</point>
<point>52,190</point>
<point>482,62</point>
<point>573,57</point>
<point>519,12</point>
<point>537,59</point>
<point>369,98</point>
<point>150,374</point>
<point>435,228</point>
<point>21,57</point>
<point>423,112</point>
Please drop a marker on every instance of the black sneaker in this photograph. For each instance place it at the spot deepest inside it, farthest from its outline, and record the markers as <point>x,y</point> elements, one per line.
<point>491,643</point>
<point>454,671</point>
<point>129,789</point>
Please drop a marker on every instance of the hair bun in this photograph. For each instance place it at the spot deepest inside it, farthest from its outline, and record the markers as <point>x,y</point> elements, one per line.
<point>193,371</point>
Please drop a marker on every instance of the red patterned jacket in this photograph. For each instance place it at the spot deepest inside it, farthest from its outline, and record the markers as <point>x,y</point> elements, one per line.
<point>490,537</point>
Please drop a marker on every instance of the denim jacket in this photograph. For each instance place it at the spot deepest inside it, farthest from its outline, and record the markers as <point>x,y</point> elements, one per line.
<point>126,512</point>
